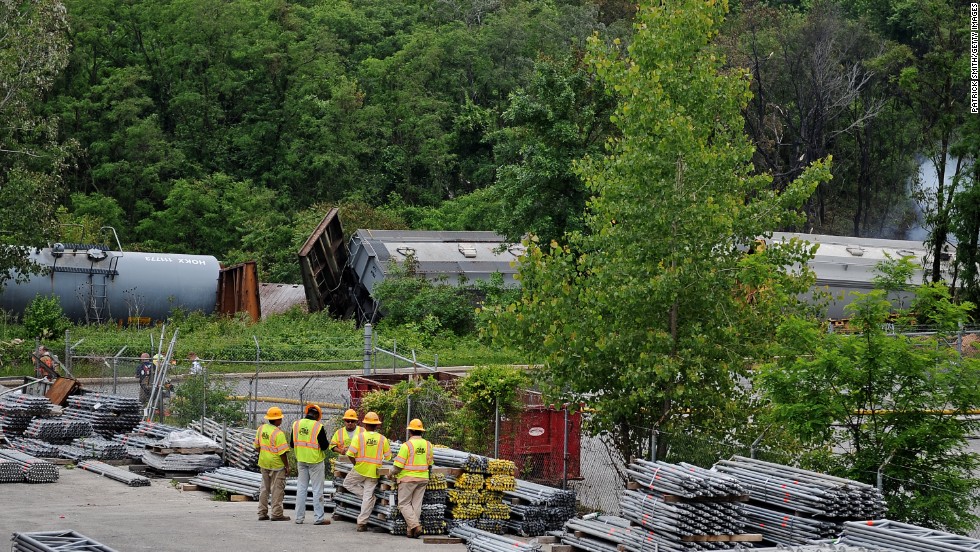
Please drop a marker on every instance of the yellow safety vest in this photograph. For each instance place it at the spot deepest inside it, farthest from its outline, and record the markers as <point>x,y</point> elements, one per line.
<point>305,433</point>
<point>414,457</point>
<point>369,449</point>
<point>342,437</point>
<point>271,442</point>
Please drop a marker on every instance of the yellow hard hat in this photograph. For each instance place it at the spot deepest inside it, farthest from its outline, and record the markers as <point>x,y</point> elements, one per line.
<point>351,415</point>
<point>310,407</point>
<point>274,413</point>
<point>416,425</point>
<point>372,418</point>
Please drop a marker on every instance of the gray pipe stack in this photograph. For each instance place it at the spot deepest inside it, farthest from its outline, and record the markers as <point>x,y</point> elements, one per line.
<point>901,537</point>
<point>791,506</point>
<point>55,541</point>
<point>681,507</point>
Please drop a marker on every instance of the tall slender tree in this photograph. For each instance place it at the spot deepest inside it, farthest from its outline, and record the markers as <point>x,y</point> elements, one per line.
<point>654,313</point>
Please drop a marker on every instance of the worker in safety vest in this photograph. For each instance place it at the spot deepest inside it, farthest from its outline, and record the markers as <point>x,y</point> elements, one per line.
<point>309,440</point>
<point>412,474</point>
<point>344,435</point>
<point>367,451</point>
<point>272,445</point>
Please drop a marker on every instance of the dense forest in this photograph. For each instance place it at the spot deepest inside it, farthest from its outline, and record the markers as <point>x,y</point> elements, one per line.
<point>228,128</point>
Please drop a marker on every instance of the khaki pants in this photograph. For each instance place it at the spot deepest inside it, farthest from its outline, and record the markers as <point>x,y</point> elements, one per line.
<point>364,488</point>
<point>411,491</point>
<point>274,483</point>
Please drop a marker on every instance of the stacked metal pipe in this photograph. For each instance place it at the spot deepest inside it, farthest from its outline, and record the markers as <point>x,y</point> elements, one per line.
<point>537,509</point>
<point>114,473</point>
<point>788,529</point>
<point>794,489</point>
<point>99,447</point>
<point>600,534</point>
<point>55,541</point>
<point>196,463</point>
<point>683,480</point>
<point>33,469</point>
<point>236,443</point>
<point>390,525</point>
<point>108,414</point>
<point>676,520</point>
<point>901,537</point>
<point>474,463</point>
<point>482,541</point>
<point>17,411</point>
<point>34,447</point>
<point>248,483</point>
<point>10,472</point>
<point>58,431</point>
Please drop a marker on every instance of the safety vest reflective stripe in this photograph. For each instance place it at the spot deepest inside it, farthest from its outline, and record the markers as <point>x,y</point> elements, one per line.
<point>375,456</point>
<point>270,445</point>
<point>308,441</point>
<point>417,461</point>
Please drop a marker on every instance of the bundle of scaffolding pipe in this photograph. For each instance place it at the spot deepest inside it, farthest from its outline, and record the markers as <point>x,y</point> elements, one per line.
<point>804,491</point>
<point>354,501</point>
<point>682,519</point>
<point>902,537</point>
<point>56,430</point>
<point>100,447</point>
<point>459,459</point>
<point>10,472</point>
<point>543,495</point>
<point>182,462</point>
<point>33,469</point>
<point>606,528</point>
<point>154,430</point>
<point>233,480</point>
<point>24,405</point>
<point>787,529</point>
<point>483,541</point>
<point>33,447</point>
<point>249,483</point>
<point>685,480</point>
<point>114,473</point>
<point>237,443</point>
<point>55,541</point>
<point>822,547</point>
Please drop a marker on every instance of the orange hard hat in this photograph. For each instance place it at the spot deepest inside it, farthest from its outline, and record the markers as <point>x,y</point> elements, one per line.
<point>274,413</point>
<point>372,418</point>
<point>416,425</point>
<point>350,415</point>
<point>310,407</point>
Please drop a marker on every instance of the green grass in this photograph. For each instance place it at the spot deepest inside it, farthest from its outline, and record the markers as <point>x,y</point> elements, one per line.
<point>291,341</point>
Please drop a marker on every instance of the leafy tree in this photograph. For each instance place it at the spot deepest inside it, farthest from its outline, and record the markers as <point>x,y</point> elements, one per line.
<point>883,401</point>
<point>430,402</point>
<point>44,318</point>
<point>197,395</point>
<point>561,116</point>
<point>644,317</point>
<point>33,50</point>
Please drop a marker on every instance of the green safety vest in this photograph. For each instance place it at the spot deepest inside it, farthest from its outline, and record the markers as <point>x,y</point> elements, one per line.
<point>271,442</point>
<point>369,449</point>
<point>305,433</point>
<point>414,457</point>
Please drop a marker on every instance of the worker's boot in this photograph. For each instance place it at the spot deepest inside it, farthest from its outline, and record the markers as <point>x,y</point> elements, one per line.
<point>361,527</point>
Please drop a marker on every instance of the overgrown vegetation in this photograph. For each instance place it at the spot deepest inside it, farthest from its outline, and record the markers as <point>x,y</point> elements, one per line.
<point>196,395</point>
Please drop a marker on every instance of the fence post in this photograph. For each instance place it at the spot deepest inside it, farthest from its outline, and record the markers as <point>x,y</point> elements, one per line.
<point>394,359</point>
<point>564,454</point>
<point>67,350</point>
<point>408,414</point>
<point>496,427</point>
<point>255,397</point>
<point>367,349</point>
<point>653,444</point>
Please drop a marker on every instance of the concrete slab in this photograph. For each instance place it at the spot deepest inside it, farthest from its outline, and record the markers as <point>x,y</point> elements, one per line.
<point>161,517</point>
